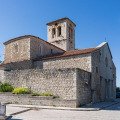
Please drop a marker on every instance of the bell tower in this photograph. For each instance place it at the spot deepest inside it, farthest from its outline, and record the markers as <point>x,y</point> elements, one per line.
<point>61,33</point>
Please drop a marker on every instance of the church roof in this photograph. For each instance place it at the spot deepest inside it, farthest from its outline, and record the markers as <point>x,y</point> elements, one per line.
<point>29,36</point>
<point>72,53</point>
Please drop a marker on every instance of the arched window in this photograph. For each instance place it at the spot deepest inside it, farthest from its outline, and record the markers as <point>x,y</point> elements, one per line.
<point>59,31</point>
<point>106,62</point>
<point>53,32</point>
<point>70,32</point>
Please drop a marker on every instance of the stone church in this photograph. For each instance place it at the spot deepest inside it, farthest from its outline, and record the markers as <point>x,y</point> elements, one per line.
<point>79,76</point>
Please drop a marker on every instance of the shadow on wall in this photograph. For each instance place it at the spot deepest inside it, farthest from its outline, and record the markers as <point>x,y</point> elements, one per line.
<point>113,106</point>
<point>10,118</point>
<point>15,119</point>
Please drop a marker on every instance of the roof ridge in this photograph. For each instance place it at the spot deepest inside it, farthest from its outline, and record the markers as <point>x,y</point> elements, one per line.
<point>71,53</point>
<point>81,49</point>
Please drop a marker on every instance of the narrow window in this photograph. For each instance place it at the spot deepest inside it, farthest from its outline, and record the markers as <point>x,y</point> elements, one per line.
<point>70,32</point>
<point>99,56</point>
<point>100,81</point>
<point>39,49</point>
<point>51,51</point>
<point>53,32</point>
<point>59,31</point>
<point>90,77</point>
<point>96,69</point>
<point>113,75</point>
<point>106,62</point>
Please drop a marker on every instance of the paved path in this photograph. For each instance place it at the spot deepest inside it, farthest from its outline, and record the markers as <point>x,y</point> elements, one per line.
<point>110,113</point>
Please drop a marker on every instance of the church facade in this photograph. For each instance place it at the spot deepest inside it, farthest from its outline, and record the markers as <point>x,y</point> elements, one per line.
<point>79,75</point>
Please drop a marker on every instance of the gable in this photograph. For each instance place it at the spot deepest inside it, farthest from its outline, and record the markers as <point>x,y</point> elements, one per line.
<point>105,46</point>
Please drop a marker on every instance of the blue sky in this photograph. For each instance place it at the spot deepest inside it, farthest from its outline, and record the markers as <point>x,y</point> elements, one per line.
<point>95,20</point>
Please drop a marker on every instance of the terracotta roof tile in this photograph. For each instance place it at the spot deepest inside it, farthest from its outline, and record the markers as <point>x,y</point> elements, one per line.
<point>72,53</point>
<point>29,36</point>
<point>65,54</point>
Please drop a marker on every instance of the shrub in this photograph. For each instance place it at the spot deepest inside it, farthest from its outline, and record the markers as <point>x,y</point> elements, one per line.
<point>5,87</point>
<point>21,90</point>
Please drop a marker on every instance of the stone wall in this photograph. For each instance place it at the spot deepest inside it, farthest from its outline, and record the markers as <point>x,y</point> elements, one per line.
<point>28,48</point>
<point>61,82</point>
<point>103,75</point>
<point>95,83</point>
<point>26,64</point>
<point>68,83</point>
<point>2,76</point>
<point>80,61</point>
<point>17,51</point>
<point>36,100</point>
<point>40,48</point>
<point>108,71</point>
<point>83,87</point>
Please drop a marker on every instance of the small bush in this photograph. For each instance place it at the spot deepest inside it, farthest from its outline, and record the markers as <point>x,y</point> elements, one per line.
<point>5,87</point>
<point>21,90</point>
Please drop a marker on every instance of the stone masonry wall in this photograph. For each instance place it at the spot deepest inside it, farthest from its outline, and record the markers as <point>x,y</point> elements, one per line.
<point>95,83</point>
<point>2,76</point>
<point>61,82</point>
<point>28,48</point>
<point>108,71</point>
<point>80,61</point>
<point>103,83</point>
<point>17,51</point>
<point>39,48</point>
<point>83,87</point>
<point>27,64</point>
<point>36,100</point>
<point>68,84</point>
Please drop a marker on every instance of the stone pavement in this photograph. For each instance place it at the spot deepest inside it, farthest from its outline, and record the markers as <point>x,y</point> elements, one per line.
<point>31,113</point>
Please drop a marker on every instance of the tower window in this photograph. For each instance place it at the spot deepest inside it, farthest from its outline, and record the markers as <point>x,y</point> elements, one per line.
<point>53,32</point>
<point>70,32</point>
<point>59,31</point>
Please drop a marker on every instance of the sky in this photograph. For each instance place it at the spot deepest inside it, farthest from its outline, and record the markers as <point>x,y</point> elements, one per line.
<point>96,21</point>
